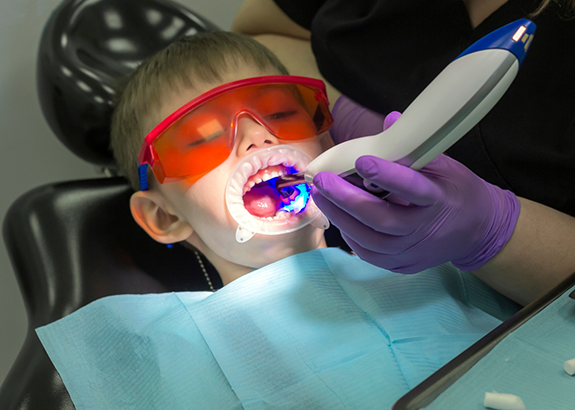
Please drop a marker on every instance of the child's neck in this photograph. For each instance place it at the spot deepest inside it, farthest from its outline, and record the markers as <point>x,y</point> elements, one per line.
<point>230,271</point>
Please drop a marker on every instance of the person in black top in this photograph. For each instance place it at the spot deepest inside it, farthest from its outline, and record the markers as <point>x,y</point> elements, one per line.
<point>382,54</point>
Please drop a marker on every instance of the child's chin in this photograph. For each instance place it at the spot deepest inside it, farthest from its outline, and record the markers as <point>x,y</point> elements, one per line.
<point>277,247</point>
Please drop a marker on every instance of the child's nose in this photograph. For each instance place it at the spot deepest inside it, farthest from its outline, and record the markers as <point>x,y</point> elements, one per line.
<point>252,136</point>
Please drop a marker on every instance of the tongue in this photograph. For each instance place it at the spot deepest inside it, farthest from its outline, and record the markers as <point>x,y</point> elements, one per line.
<point>262,201</point>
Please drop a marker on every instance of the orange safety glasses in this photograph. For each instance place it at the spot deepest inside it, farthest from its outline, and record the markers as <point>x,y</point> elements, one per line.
<point>200,136</point>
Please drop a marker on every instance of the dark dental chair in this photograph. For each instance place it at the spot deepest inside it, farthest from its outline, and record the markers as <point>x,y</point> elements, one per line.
<point>73,242</point>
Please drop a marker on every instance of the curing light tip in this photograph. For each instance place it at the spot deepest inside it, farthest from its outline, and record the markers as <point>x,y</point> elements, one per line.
<point>285,183</point>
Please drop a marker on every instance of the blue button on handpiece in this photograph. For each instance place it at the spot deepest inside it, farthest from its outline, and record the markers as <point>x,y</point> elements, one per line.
<point>515,37</point>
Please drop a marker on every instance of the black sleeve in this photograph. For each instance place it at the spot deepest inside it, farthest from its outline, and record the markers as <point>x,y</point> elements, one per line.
<point>301,11</point>
<point>382,53</point>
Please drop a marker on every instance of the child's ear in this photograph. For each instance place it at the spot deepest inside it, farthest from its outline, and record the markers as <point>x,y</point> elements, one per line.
<point>160,224</point>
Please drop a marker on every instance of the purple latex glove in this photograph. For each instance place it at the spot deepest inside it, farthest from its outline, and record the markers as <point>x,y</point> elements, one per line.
<point>351,120</point>
<point>452,215</point>
<point>442,213</point>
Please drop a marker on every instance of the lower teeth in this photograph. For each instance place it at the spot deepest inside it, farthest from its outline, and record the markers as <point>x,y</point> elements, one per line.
<point>282,214</point>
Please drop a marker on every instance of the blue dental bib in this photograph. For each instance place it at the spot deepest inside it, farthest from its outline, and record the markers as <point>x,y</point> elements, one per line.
<point>319,330</point>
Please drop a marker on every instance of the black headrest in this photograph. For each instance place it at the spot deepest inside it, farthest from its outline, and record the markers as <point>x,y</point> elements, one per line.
<point>86,49</point>
<point>60,246</point>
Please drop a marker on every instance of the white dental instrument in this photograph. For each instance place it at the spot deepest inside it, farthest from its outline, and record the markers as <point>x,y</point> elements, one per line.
<point>457,99</point>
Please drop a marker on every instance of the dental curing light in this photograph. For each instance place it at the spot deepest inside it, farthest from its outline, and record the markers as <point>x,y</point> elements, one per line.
<point>457,99</point>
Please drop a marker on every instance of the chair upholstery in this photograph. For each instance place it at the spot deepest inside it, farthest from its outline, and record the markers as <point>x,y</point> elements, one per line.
<point>87,49</point>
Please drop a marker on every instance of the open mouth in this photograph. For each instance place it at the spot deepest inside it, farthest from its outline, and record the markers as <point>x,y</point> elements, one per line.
<point>262,199</point>
<point>256,205</point>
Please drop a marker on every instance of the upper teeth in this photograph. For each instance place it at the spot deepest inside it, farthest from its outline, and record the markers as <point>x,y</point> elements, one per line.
<point>263,175</point>
<point>266,176</point>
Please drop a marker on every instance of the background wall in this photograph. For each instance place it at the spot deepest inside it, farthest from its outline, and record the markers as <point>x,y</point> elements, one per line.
<point>30,154</point>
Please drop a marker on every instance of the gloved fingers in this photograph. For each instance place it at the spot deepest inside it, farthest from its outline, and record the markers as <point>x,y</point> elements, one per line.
<point>398,179</point>
<point>390,119</point>
<point>396,199</point>
<point>394,263</point>
<point>374,241</point>
<point>352,120</point>
<point>347,223</point>
<point>382,216</point>
<point>365,236</point>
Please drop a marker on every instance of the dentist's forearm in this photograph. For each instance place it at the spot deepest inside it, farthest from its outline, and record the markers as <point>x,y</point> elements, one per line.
<point>265,17</point>
<point>539,254</point>
<point>269,25</point>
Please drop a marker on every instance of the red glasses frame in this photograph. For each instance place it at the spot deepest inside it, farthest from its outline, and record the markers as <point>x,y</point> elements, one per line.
<point>146,154</point>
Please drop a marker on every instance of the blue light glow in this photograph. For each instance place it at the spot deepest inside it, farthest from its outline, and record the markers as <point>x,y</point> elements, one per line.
<point>299,201</point>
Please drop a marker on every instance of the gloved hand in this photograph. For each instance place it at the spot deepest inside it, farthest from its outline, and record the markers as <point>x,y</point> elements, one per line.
<point>352,120</point>
<point>442,213</point>
<point>452,215</point>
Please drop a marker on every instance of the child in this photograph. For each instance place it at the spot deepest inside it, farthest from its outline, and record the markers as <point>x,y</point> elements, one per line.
<point>296,325</point>
<point>192,209</point>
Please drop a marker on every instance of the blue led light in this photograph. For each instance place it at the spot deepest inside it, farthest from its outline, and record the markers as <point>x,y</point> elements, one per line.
<point>299,202</point>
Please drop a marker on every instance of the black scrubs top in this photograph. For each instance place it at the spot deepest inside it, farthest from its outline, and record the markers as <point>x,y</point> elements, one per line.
<point>383,53</point>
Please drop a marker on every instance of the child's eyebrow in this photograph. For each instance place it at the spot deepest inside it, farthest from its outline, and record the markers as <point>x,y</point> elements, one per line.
<point>256,92</point>
<point>201,109</point>
<point>269,88</point>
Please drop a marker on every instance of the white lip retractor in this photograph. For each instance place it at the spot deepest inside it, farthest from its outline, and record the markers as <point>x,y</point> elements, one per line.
<point>298,215</point>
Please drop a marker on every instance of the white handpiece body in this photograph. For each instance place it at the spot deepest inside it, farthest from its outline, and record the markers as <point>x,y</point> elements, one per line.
<point>457,99</point>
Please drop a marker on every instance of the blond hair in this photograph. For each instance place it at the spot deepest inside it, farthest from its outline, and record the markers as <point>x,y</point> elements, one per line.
<point>201,58</point>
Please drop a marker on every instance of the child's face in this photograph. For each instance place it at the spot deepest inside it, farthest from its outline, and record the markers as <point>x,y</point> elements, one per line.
<point>201,208</point>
